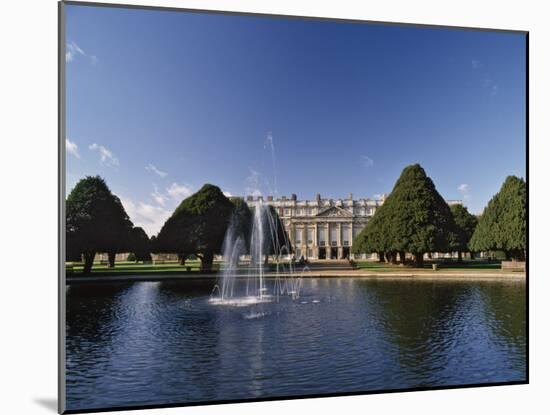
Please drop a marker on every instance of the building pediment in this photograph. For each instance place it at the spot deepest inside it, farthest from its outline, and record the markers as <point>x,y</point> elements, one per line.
<point>334,212</point>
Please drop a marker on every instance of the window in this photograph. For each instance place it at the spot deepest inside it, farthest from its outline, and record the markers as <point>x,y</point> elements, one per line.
<point>309,236</point>
<point>346,235</point>
<point>287,212</point>
<point>322,236</point>
<point>333,235</point>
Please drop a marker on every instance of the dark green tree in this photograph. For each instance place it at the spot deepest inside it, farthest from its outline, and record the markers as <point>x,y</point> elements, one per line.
<point>73,252</point>
<point>242,220</point>
<point>140,245</point>
<point>197,226</point>
<point>95,221</point>
<point>375,237</point>
<point>503,224</point>
<point>465,226</point>
<point>360,244</point>
<point>277,240</point>
<point>414,218</point>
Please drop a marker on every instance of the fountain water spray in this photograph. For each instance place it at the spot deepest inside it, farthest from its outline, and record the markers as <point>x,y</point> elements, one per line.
<point>252,282</point>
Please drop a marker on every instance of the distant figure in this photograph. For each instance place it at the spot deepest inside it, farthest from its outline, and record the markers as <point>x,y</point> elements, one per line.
<point>302,260</point>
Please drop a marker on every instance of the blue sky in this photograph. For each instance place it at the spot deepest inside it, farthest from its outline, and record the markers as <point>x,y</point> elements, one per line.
<point>159,103</point>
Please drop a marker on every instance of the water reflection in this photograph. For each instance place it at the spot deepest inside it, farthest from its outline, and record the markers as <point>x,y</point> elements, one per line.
<point>162,342</point>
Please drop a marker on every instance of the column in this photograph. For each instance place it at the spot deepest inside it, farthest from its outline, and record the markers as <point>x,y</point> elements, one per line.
<point>325,242</point>
<point>340,252</point>
<point>316,241</point>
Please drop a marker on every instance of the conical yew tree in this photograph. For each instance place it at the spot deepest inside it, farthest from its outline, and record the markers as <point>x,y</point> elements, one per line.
<point>197,226</point>
<point>95,222</point>
<point>503,224</point>
<point>465,226</point>
<point>414,218</point>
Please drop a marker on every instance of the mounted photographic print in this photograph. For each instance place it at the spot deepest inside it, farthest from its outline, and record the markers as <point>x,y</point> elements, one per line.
<point>258,207</point>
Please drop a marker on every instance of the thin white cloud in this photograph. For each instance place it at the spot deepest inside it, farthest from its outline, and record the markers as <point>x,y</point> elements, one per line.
<point>159,197</point>
<point>366,161</point>
<point>464,189</point>
<point>175,193</point>
<point>72,148</point>
<point>106,156</point>
<point>154,169</point>
<point>491,86</point>
<point>179,191</point>
<point>484,76</point>
<point>227,194</point>
<point>149,217</point>
<point>72,51</point>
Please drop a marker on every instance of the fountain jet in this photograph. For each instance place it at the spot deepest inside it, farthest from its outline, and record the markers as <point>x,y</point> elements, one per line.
<point>247,283</point>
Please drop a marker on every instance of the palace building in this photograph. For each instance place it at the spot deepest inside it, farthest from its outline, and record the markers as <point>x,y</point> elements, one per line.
<point>323,228</point>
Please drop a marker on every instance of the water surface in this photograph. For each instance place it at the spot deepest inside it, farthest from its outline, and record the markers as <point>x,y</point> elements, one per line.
<point>149,343</point>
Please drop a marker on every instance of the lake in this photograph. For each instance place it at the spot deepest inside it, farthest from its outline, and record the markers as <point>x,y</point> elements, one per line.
<point>151,343</point>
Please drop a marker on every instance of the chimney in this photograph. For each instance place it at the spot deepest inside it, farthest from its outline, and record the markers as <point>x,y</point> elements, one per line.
<point>293,196</point>
<point>318,197</point>
<point>270,198</point>
<point>250,198</point>
<point>351,196</point>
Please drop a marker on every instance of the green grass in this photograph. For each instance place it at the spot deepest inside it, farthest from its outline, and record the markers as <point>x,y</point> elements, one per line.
<point>125,267</point>
<point>173,267</point>
<point>473,265</point>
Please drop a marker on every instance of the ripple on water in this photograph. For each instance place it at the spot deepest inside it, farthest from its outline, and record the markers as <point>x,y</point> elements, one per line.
<point>154,343</point>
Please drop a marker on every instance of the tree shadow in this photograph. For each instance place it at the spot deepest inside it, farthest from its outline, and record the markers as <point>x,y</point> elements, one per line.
<point>48,403</point>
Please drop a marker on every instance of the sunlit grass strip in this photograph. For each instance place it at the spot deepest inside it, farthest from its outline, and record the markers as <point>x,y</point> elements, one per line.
<point>139,267</point>
<point>454,266</point>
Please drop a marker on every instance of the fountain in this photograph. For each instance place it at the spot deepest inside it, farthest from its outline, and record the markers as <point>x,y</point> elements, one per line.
<point>253,282</point>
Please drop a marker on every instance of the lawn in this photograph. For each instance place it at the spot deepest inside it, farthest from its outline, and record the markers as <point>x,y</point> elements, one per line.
<point>173,267</point>
<point>466,265</point>
<point>125,267</point>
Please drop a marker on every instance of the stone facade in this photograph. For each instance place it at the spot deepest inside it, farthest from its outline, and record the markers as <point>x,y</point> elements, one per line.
<point>321,228</point>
